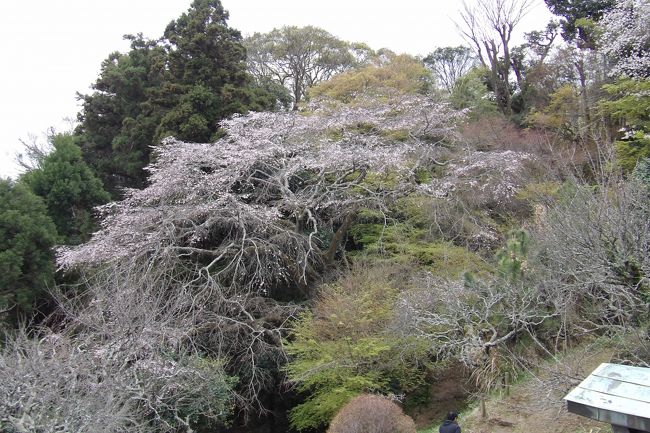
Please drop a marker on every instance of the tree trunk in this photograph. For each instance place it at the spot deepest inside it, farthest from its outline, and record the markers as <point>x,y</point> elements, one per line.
<point>580,67</point>
<point>338,237</point>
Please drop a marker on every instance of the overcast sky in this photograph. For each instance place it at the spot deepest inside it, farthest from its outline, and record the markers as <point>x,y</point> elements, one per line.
<point>52,49</point>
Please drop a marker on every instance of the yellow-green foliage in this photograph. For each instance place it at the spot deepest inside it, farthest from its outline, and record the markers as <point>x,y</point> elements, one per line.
<point>397,135</point>
<point>342,348</point>
<point>630,152</point>
<point>447,260</point>
<point>365,215</point>
<point>403,74</point>
<point>401,243</point>
<point>407,239</point>
<point>423,175</point>
<point>629,101</point>
<point>539,192</point>
<point>329,370</point>
<point>562,114</point>
<point>415,209</point>
<point>337,133</point>
<point>375,181</point>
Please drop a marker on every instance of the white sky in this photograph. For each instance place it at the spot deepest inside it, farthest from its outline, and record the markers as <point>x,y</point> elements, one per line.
<point>52,49</point>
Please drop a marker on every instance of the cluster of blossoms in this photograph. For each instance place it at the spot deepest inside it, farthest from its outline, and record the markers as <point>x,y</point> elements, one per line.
<point>626,38</point>
<point>496,175</point>
<point>269,169</point>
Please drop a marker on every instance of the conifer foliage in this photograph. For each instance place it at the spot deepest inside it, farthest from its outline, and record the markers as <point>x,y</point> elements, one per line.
<point>180,85</point>
<point>27,235</point>
<point>69,189</point>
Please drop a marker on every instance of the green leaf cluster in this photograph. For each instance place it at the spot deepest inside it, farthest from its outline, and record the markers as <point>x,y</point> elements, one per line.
<point>470,92</point>
<point>562,113</point>
<point>405,237</point>
<point>628,103</point>
<point>402,74</point>
<point>511,260</point>
<point>342,370</point>
<point>402,244</point>
<point>575,14</point>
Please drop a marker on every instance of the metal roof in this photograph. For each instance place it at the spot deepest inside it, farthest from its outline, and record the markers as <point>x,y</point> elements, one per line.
<point>617,394</point>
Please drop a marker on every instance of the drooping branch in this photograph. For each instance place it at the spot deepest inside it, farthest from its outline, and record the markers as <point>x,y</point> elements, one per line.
<point>248,220</point>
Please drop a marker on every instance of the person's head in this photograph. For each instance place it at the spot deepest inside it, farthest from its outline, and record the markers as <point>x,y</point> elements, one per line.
<point>452,415</point>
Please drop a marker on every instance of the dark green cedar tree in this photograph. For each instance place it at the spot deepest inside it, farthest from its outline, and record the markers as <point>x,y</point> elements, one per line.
<point>27,235</point>
<point>69,189</point>
<point>119,119</point>
<point>207,74</point>
<point>181,85</point>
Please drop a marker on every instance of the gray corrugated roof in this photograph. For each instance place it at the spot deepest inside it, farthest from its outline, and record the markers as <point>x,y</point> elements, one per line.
<point>614,392</point>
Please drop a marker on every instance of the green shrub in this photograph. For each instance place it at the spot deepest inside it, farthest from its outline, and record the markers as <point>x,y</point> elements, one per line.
<point>344,347</point>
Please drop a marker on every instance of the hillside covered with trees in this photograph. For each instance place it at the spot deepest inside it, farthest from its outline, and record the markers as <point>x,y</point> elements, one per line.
<point>292,232</point>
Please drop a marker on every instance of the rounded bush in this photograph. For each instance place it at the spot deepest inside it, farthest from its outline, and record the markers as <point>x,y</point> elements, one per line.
<point>371,414</point>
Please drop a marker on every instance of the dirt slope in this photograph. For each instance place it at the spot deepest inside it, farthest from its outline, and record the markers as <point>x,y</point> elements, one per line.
<point>535,403</point>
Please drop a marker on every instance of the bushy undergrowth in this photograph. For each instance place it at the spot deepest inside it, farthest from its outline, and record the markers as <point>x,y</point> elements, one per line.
<point>400,243</point>
<point>344,346</point>
<point>127,362</point>
<point>592,253</point>
<point>580,268</point>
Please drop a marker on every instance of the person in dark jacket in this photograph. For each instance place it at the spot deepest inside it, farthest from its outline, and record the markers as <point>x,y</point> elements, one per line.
<point>451,423</point>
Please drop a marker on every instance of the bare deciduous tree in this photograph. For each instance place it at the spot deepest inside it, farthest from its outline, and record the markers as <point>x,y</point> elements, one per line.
<point>127,356</point>
<point>587,272</point>
<point>449,64</point>
<point>593,250</point>
<point>488,25</point>
<point>465,321</point>
<point>34,151</point>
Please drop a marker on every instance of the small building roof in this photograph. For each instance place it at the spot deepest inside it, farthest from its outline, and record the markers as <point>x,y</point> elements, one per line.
<point>617,394</point>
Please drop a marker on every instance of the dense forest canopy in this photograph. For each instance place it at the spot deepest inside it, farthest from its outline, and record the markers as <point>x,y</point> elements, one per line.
<point>252,234</point>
